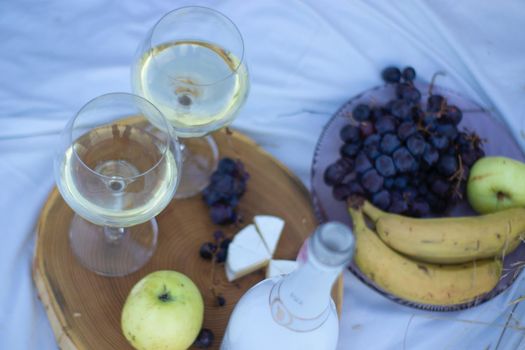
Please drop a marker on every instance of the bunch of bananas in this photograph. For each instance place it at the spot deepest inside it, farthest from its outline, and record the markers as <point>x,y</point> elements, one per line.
<point>441,261</point>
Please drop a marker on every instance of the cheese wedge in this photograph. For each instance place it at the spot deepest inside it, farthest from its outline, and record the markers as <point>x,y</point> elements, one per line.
<point>280,267</point>
<point>246,253</point>
<point>270,229</point>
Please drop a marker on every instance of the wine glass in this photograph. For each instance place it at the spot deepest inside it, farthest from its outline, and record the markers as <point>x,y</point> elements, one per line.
<point>117,167</point>
<point>191,66</point>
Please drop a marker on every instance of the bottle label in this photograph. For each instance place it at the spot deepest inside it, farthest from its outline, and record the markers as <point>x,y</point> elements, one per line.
<point>282,316</point>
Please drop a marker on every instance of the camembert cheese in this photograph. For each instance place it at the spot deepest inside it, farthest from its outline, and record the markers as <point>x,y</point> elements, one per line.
<point>270,229</point>
<point>246,253</point>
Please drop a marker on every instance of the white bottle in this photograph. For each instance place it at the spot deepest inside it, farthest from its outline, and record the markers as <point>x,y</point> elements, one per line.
<point>295,311</point>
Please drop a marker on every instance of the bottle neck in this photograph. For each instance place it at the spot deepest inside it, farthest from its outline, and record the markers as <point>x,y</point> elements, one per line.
<point>306,293</point>
<point>301,301</point>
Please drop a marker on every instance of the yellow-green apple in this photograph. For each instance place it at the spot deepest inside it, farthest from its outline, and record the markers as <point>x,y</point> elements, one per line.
<point>496,183</point>
<point>164,310</point>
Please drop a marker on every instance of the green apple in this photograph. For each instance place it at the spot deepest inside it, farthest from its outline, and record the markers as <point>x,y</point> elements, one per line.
<point>164,310</point>
<point>496,183</point>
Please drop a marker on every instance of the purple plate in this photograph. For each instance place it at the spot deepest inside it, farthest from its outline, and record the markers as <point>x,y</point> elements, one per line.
<point>499,142</point>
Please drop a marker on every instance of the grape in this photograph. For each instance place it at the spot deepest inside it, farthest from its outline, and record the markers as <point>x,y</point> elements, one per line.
<point>221,256</point>
<point>356,188</point>
<point>225,243</point>
<point>376,113</point>
<point>389,143</point>
<point>391,74</point>
<point>409,194</point>
<point>207,250</point>
<point>385,124</point>
<point>204,339</point>
<point>211,197</point>
<point>227,166</point>
<point>349,150</point>
<point>435,103</point>
<point>454,115</point>
<point>350,134</point>
<point>448,130</point>
<point>401,109</point>
<point>239,187</point>
<point>221,301</point>
<point>398,206</point>
<point>440,187</point>
<point>405,130</point>
<point>401,182</point>
<point>336,172</point>
<point>430,155</point>
<point>218,235</point>
<point>385,166</point>
<point>447,165</point>
<point>224,184</point>
<point>222,214</point>
<point>469,157</point>
<point>439,141</point>
<point>430,122</point>
<point>416,179</point>
<point>372,181</point>
<point>381,199</point>
<point>362,163</point>
<point>366,128</point>
<point>409,74</point>
<point>408,93</point>
<point>437,204</point>
<point>404,161</point>
<point>341,192</point>
<point>416,145</point>
<point>371,146</point>
<point>422,189</point>
<point>361,112</point>
<point>389,182</point>
<point>388,106</point>
<point>420,208</point>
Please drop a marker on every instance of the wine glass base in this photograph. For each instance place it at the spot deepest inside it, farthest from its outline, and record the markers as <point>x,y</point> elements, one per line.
<point>199,160</point>
<point>112,251</point>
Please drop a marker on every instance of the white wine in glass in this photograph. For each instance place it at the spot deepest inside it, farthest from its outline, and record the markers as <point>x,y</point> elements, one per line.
<point>182,73</point>
<point>191,66</point>
<point>117,167</point>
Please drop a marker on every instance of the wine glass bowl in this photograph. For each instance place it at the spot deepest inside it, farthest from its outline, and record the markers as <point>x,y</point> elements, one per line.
<point>191,66</point>
<point>117,167</point>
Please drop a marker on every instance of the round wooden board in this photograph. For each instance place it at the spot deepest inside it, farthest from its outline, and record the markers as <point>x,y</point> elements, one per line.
<point>84,308</point>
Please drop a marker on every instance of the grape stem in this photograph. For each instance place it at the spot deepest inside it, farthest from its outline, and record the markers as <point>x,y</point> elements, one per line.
<point>433,80</point>
<point>457,177</point>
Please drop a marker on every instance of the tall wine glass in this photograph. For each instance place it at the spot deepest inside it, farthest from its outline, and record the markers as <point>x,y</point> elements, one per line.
<point>191,66</point>
<point>117,167</point>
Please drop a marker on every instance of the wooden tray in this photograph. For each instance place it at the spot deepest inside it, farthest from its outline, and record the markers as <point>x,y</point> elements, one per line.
<point>84,308</point>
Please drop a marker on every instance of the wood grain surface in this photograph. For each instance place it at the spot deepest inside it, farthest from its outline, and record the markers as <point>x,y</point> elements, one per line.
<point>84,308</point>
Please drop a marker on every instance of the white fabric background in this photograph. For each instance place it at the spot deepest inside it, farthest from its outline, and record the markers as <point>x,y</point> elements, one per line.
<point>305,57</point>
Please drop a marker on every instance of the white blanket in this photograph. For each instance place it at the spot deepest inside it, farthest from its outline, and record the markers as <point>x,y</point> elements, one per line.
<point>305,58</point>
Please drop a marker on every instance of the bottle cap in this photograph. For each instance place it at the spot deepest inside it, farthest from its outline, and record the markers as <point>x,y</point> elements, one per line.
<point>333,244</point>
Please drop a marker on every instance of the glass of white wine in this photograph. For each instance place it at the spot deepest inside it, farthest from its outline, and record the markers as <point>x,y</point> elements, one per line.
<point>191,66</point>
<point>117,167</point>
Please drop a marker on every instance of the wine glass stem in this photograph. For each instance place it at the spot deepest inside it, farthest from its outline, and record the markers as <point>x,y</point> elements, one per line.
<point>114,234</point>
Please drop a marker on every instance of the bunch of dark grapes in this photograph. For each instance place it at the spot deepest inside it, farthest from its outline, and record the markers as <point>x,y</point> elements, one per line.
<point>227,185</point>
<point>406,157</point>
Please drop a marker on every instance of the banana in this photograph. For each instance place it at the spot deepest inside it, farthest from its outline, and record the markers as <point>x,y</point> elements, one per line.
<point>450,240</point>
<point>417,281</point>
